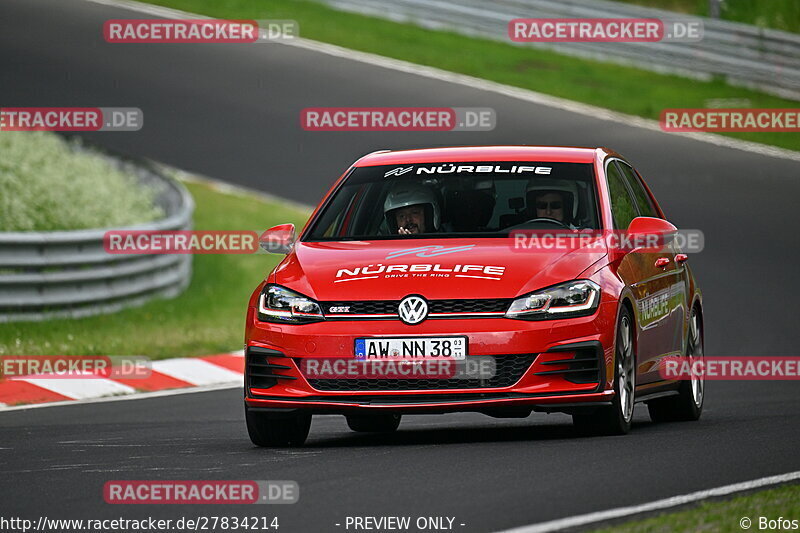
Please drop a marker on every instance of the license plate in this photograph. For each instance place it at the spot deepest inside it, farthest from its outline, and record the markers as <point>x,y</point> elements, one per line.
<point>411,348</point>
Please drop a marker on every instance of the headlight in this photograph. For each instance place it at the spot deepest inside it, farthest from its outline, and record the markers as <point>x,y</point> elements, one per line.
<point>574,298</point>
<point>279,304</point>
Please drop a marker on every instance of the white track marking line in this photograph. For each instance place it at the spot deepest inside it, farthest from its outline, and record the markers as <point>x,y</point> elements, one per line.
<point>666,503</point>
<point>196,371</point>
<point>478,83</point>
<point>80,389</point>
<point>137,396</point>
<point>240,190</point>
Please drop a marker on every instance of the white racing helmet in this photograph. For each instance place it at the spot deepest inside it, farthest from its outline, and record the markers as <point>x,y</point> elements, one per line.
<point>567,188</point>
<point>404,194</point>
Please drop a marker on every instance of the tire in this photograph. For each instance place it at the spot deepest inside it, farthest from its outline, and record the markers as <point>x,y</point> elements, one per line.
<point>615,419</point>
<point>382,423</point>
<point>688,404</point>
<point>268,430</point>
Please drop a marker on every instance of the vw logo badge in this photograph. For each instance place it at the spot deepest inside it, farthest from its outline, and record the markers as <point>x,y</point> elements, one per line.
<point>413,309</point>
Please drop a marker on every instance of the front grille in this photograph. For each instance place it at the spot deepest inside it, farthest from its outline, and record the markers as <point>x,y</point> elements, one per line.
<point>389,307</point>
<point>508,370</point>
<point>497,305</point>
<point>382,307</point>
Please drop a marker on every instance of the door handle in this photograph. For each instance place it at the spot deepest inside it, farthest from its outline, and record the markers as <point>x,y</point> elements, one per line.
<point>681,258</point>
<point>662,262</point>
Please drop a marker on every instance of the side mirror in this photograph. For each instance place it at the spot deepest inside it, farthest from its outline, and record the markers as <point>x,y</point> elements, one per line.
<point>278,239</point>
<point>650,233</point>
<point>644,234</point>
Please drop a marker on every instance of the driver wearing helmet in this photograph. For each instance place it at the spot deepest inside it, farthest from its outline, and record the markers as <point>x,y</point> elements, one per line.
<point>553,199</point>
<point>550,204</point>
<point>411,208</point>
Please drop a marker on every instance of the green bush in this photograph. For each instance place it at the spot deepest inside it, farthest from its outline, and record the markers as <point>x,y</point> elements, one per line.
<point>46,185</point>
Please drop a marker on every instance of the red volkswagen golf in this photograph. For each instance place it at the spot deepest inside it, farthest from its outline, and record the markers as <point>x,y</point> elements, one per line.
<point>462,279</point>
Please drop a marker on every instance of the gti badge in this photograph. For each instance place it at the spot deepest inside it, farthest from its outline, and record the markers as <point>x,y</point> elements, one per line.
<point>413,309</point>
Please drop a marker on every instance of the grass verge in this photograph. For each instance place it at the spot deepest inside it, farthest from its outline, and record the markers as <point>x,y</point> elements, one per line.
<point>723,516</point>
<point>207,318</point>
<point>45,182</point>
<point>624,89</point>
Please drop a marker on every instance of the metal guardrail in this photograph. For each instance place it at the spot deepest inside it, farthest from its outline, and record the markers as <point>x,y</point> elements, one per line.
<point>69,274</point>
<point>768,60</point>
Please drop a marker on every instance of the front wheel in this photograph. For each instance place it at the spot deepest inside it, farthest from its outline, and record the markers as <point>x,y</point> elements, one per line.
<point>688,404</point>
<point>273,430</point>
<point>615,419</point>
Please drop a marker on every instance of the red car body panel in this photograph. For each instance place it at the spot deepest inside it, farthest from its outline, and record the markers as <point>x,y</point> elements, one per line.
<point>328,258</point>
<point>311,268</point>
<point>483,153</point>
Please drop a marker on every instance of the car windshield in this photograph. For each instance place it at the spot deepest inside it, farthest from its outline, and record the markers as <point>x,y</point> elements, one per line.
<point>475,199</point>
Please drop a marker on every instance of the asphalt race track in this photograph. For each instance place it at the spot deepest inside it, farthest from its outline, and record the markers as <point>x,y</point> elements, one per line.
<point>232,112</point>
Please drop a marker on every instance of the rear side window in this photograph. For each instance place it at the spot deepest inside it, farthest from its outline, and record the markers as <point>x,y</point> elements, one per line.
<point>623,208</point>
<point>643,201</point>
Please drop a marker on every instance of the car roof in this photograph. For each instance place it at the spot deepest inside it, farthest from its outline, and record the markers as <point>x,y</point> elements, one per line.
<point>567,154</point>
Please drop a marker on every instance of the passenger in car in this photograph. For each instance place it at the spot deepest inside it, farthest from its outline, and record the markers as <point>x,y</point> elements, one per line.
<point>550,205</point>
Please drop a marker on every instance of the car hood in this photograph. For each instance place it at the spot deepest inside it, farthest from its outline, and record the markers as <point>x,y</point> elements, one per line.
<point>433,268</point>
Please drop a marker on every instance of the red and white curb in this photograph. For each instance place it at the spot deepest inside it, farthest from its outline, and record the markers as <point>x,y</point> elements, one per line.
<point>212,371</point>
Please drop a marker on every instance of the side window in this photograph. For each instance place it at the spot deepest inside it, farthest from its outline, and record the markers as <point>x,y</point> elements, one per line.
<point>640,196</point>
<point>622,207</point>
<point>334,218</point>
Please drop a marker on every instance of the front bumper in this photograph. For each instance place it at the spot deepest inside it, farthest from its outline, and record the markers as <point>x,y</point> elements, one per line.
<point>276,350</point>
